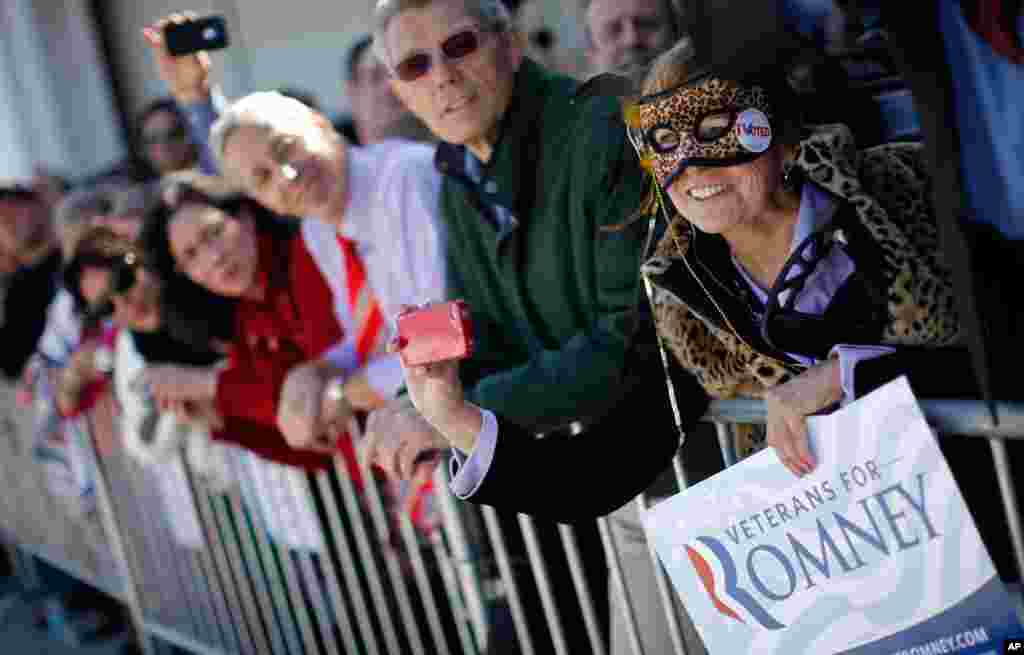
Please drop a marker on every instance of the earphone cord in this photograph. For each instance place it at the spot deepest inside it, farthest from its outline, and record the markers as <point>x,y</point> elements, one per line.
<point>672,399</point>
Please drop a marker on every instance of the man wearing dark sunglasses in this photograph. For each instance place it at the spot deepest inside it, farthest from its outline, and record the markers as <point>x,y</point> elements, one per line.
<point>534,179</point>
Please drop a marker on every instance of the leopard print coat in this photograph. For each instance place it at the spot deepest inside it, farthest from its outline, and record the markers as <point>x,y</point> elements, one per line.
<point>888,190</point>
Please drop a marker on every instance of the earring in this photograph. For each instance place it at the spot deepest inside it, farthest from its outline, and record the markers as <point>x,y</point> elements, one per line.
<point>792,177</point>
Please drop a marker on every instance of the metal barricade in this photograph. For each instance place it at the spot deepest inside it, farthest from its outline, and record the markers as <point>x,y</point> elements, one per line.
<point>282,562</point>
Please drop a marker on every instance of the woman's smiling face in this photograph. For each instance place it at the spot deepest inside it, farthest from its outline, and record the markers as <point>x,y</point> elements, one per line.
<point>214,249</point>
<point>719,199</point>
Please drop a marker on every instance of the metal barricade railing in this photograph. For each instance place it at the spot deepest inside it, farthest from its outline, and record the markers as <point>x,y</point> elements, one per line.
<point>282,562</point>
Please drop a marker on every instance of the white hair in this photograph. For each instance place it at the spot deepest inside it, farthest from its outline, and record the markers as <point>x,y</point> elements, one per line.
<point>267,110</point>
<point>492,14</point>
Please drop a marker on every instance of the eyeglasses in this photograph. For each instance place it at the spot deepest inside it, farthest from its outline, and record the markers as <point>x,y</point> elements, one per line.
<point>457,46</point>
<point>171,135</point>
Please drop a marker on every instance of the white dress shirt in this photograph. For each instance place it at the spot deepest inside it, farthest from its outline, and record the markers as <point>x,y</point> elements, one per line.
<point>392,216</point>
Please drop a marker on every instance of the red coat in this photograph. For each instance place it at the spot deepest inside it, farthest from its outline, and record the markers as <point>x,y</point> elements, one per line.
<point>293,323</point>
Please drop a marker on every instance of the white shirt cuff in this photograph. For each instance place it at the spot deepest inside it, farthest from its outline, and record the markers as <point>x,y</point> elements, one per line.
<point>849,357</point>
<point>468,473</point>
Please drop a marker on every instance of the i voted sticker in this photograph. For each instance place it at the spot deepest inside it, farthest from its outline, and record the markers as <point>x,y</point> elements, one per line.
<point>753,130</point>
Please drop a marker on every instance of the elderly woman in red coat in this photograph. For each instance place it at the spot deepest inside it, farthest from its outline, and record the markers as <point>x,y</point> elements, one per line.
<point>307,352</point>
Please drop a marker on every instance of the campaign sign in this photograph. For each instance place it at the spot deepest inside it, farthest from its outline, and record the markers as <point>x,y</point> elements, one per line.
<point>874,552</point>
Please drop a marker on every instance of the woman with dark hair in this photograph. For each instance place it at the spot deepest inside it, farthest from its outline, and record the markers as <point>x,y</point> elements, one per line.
<point>292,337</point>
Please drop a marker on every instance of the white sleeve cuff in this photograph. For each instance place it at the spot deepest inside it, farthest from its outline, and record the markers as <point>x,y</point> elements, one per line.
<point>849,357</point>
<point>468,473</point>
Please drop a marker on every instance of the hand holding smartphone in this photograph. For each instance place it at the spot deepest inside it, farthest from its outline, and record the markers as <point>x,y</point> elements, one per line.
<point>435,333</point>
<point>196,35</point>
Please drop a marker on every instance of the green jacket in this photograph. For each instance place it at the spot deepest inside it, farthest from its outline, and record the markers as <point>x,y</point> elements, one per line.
<point>552,296</point>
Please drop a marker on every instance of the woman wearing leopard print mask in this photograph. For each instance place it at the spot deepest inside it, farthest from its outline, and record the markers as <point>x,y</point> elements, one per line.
<point>794,267</point>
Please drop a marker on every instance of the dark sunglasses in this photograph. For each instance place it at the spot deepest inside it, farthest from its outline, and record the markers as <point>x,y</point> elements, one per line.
<point>455,47</point>
<point>170,135</point>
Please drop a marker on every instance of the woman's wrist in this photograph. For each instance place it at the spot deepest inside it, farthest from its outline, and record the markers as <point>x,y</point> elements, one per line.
<point>832,370</point>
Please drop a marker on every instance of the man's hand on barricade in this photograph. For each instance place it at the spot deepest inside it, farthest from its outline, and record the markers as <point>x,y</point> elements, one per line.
<point>312,410</point>
<point>188,76</point>
<point>401,442</point>
<point>788,406</point>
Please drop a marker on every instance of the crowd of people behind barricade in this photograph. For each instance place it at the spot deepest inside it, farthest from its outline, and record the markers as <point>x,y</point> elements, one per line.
<point>236,283</point>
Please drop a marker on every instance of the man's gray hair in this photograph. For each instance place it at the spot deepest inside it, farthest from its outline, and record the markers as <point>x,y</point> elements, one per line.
<point>268,110</point>
<point>493,15</point>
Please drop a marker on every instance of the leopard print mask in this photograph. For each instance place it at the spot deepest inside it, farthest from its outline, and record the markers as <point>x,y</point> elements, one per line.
<point>706,121</point>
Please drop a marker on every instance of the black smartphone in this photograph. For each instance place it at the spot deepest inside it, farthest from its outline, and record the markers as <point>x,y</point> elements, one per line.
<point>207,33</point>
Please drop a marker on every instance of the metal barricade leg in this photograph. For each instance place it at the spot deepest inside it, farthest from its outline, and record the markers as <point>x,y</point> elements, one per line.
<point>348,565</point>
<point>455,531</point>
<point>617,579</point>
<point>540,572</point>
<point>204,606</point>
<point>423,583</point>
<point>380,520</point>
<point>298,603</point>
<point>243,580</point>
<point>220,615</point>
<point>278,590</point>
<point>1010,501</point>
<point>114,536</point>
<point>232,574</point>
<point>572,554</point>
<point>181,603</point>
<point>235,627</point>
<point>451,587</point>
<point>264,593</point>
<point>665,592</point>
<point>493,527</point>
<point>354,512</point>
<point>315,585</point>
<point>151,575</point>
